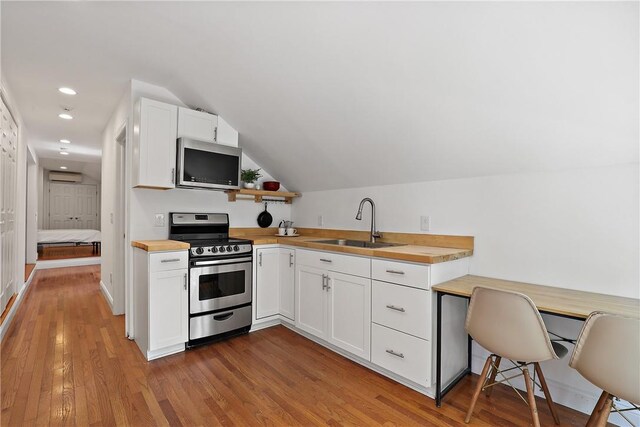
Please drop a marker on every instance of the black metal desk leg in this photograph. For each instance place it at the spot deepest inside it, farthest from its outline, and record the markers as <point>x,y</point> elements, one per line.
<point>438,349</point>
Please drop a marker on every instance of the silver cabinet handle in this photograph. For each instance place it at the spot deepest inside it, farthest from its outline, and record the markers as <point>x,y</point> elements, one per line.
<point>290,260</point>
<point>185,281</point>
<point>328,287</point>
<point>173,175</point>
<point>325,260</point>
<point>395,271</point>
<point>170,260</point>
<point>260,259</point>
<point>324,284</point>
<point>400,355</point>
<point>393,307</point>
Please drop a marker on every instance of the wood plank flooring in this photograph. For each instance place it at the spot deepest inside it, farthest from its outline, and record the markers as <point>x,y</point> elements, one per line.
<point>65,252</point>
<point>28,268</point>
<point>65,361</point>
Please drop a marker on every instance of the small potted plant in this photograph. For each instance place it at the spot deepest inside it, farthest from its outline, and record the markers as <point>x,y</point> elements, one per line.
<point>249,177</point>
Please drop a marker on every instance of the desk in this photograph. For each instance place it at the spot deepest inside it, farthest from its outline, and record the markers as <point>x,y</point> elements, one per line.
<point>550,300</point>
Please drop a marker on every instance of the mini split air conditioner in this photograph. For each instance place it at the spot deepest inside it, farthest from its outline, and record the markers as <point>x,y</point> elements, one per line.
<point>65,177</point>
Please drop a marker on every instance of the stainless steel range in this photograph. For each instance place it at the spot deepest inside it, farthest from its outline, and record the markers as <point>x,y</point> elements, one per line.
<point>219,276</point>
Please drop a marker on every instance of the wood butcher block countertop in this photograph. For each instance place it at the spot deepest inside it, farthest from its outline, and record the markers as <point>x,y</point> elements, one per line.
<point>430,249</point>
<point>160,245</point>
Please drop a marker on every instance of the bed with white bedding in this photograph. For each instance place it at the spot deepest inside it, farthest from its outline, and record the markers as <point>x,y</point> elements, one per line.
<point>69,235</point>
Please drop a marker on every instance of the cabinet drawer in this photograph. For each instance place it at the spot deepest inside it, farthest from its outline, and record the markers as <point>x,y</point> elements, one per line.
<point>415,275</point>
<point>353,265</point>
<point>402,308</point>
<point>163,261</point>
<point>403,354</point>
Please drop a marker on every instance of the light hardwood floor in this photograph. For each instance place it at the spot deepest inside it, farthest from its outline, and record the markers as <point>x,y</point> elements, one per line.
<point>65,361</point>
<point>65,252</point>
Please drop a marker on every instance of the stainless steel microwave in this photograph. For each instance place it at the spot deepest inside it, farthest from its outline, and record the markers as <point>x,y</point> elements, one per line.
<point>208,165</point>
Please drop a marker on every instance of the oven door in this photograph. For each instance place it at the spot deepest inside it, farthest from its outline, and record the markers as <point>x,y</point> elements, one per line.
<point>219,284</point>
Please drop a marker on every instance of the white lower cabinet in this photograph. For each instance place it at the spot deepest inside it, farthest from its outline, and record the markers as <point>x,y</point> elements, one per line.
<point>274,283</point>
<point>335,307</point>
<point>161,302</point>
<point>402,354</point>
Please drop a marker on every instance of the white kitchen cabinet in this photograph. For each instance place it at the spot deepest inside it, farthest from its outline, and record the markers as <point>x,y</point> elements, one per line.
<point>226,134</point>
<point>267,282</point>
<point>154,144</point>
<point>311,307</point>
<point>287,272</point>
<point>197,125</point>
<point>161,302</point>
<point>274,283</point>
<point>335,307</point>
<point>349,313</point>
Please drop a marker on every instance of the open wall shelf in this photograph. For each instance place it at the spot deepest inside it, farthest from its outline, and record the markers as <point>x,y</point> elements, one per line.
<point>261,195</point>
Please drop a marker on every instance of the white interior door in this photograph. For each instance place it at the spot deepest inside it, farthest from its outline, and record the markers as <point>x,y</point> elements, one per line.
<point>73,206</point>
<point>8,144</point>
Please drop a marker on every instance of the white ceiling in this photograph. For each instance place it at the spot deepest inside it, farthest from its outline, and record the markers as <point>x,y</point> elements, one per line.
<point>92,170</point>
<point>334,95</point>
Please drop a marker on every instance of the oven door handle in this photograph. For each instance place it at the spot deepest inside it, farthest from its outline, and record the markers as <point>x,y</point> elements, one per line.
<point>224,316</point>
<point>222,261</point>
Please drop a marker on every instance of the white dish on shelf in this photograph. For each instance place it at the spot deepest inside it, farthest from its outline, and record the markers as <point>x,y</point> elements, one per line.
<point>287,235</point>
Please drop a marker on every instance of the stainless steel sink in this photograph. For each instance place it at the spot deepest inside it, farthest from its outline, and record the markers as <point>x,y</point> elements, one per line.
<point>358,243</point>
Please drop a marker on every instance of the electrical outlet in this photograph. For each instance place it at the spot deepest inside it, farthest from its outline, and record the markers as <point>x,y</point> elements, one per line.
<point>158,220</point>
<point>425,223</point>
<point>320,221</point>
<point>111,217</point>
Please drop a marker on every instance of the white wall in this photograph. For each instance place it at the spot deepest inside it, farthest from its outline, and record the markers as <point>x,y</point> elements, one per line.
<point>31,215</point>
<point>576,229</point>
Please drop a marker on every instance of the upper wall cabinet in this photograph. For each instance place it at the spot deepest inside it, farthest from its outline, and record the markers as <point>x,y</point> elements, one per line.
<point>197,125</point>
<point>205,127</point>
<point>155,126</point>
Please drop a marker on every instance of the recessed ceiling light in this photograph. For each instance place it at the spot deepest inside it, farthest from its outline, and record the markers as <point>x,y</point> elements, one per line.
<point>67,90</point>
<point>65,116</point>
<point>63,167</point>
<point>64,153</point>
<point>65,141</point>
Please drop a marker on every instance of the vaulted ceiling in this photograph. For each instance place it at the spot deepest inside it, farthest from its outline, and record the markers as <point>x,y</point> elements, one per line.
<point>333,95</point>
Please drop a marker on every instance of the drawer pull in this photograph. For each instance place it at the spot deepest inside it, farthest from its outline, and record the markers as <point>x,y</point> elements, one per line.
<point>393,353</point>
<point>393,307</point>
<point>170,260</point>
<point>395,271</point>
<point>325,260</point>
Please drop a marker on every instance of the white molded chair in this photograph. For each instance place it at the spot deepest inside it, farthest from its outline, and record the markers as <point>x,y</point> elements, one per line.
<point>509,325</point>
<point>607,354</point>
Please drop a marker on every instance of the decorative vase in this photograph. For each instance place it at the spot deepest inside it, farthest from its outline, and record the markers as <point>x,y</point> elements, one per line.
<point>250,185</point>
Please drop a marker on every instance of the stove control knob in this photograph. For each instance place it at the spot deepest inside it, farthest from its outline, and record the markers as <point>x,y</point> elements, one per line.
<point>229,248</point>
<point>236,248</point>
<point>214,249</point>
<point>199,251</point>
<point>222,249</point>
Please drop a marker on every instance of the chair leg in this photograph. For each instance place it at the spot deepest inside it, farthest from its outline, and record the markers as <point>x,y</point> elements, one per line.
<point>481,381</point>
<point>547,394</point>
<point>603,416</point>
<point>596,409</point>
<point>492,377</point>
<point>531,397</point>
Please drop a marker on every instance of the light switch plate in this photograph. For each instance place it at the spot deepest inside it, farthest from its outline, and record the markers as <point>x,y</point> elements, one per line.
<point>320,221</point>
<point>425,223</point>
<point>158,220</point>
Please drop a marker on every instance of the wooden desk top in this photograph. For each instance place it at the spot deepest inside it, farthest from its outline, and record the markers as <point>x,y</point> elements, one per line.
<point>548,299</point>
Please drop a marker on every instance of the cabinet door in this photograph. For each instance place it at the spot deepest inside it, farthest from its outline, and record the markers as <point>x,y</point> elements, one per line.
<point>197,125</point>
<point>155,144</point>
<point>267,282</point>
<point>311,312</point>
<point>287,283</point>
<point>349,312</point>
<point>168,309</point>
<point>226,135</point>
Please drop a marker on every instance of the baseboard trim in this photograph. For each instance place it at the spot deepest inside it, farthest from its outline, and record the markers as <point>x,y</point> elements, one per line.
<point>70,262</point>
<point>107,296</point>
<point>14,308</point>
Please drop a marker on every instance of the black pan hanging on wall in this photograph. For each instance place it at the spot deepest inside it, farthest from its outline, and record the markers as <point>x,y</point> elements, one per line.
<point>265,219</point>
